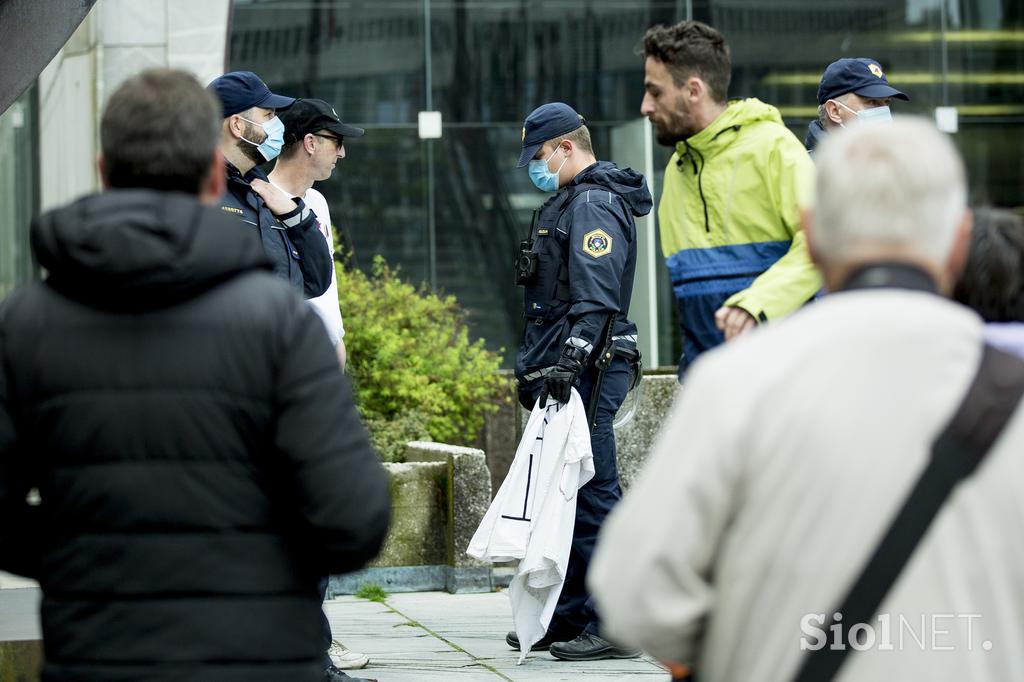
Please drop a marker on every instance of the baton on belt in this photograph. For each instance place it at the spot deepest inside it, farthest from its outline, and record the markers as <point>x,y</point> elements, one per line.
<point>602,363</point>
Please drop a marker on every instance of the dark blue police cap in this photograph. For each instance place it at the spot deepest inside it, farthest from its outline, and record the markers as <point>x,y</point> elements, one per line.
<point>241,90</point>
<point>858,75</point>
<point>544,123</point>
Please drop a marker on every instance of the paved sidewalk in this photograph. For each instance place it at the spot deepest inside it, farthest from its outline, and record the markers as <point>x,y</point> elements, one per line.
<point>434,636</point>
<point>421,637</point>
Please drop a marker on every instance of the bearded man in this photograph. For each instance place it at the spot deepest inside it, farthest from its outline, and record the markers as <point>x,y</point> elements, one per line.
<point>252,134</point>
<point>730,210</point>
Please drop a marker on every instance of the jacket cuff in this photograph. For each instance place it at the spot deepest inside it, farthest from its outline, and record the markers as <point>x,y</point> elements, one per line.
<point>579,344</point>
<point>295,217</point>
<point>755,311</point>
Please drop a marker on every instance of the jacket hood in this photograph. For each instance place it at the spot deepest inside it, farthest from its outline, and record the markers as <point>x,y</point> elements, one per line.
<point>625,182</point>
<point>138,249</point>
<point>740,113</point>
<point>815,134</point>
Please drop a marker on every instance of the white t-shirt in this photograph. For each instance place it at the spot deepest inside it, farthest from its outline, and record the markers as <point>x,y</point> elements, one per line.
<point>326,304</point>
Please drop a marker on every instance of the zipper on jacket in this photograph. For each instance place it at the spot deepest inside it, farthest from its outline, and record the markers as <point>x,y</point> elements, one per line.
<point>699,172</point>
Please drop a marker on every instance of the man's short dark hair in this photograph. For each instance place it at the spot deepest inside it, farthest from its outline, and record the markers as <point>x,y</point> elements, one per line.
<point>579,137</point>
<point>992,283</point>
<point>159,131</point>
<point>692,48</point>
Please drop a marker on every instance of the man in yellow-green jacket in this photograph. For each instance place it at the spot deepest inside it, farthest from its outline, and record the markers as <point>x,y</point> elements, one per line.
<point>733,191</point>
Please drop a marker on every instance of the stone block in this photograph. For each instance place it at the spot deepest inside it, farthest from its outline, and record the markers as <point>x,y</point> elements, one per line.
<point>502,431</point>
<point>470,486</point>
<point>418,535</point>
<point>468,579</point>
<point>634,440</point>
<point>21,661</point>
<point>392,578</point>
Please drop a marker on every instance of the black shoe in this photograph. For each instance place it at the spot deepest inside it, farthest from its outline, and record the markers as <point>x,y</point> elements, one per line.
<point>333,674</point>
<point>513,640</point>
<point>590,647</point>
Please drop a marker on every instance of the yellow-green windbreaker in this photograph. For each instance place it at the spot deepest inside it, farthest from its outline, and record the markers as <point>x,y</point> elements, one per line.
<point>730,222</point>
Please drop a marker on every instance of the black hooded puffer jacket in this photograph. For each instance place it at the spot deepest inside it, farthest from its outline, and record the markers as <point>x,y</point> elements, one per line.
<point>197,451</point>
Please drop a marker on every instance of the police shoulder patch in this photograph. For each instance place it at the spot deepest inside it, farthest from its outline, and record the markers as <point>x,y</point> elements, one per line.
<point>597,243</point>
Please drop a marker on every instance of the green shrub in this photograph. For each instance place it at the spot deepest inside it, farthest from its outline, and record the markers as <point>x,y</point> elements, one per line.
<point>416,374</point>
<point>390,434</point>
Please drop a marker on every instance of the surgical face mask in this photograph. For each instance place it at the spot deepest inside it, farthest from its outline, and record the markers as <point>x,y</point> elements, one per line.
<point>869,117</point>
<point>542,176</point>
<point>271,145</point>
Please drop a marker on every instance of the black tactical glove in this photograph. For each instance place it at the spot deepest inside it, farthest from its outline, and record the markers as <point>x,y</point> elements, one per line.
<point>560,380</point>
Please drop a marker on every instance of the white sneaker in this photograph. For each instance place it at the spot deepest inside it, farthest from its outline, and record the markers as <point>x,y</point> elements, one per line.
<point>346,659</point>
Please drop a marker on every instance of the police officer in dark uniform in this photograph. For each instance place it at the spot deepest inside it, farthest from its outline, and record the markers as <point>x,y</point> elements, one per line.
<point>252,134</point>
<point>577,268</point>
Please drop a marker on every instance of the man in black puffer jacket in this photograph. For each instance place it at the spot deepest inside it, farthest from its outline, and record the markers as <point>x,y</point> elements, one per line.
<point>180,456</point>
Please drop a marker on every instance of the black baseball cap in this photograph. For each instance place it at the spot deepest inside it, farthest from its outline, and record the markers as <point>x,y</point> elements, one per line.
<point>312,115</point>
<point>858,75</point>
<point>241,90</point>
<point>544,123</point>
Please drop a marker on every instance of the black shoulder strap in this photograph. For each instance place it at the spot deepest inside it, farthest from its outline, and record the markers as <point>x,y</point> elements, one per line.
<point>989,403</point>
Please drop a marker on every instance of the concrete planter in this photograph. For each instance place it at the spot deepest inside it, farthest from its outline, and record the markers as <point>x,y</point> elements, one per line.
<point>438,497</point>
<point>441,493</point>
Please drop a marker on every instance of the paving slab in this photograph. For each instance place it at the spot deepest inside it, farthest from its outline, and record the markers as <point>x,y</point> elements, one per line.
<point>413,637</point>
<point>439,636</point>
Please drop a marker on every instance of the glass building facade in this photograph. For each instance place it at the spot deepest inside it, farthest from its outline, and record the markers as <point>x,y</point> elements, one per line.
<point>19,196</point>
<point>451,211</point>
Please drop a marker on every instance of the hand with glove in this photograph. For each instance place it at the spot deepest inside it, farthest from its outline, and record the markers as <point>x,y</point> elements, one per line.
<point>563,376</point>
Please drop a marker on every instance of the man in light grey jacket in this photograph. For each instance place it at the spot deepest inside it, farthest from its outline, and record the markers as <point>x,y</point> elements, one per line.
<point>788,454</point>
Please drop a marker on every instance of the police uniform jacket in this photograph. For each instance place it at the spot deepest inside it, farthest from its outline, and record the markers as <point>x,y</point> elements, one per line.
<point>293,242</point>
<point>585,241</point>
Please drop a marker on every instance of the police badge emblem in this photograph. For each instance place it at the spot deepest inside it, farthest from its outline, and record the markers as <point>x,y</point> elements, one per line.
<point>597,243</point>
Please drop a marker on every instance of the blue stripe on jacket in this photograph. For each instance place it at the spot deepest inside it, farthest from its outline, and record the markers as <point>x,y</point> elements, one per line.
<point>704,278</point>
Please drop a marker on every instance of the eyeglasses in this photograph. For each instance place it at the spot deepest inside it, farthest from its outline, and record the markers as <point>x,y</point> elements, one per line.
<point>338,141</point>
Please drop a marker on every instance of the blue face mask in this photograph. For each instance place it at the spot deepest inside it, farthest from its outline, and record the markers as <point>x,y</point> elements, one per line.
<point>869,117</point>
<point>271,145</point>
<point>875,116</point>
<point>543,178</point>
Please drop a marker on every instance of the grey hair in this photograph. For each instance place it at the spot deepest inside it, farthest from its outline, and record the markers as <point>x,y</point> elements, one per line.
<point>823,118</point>
<point>899,186</point>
